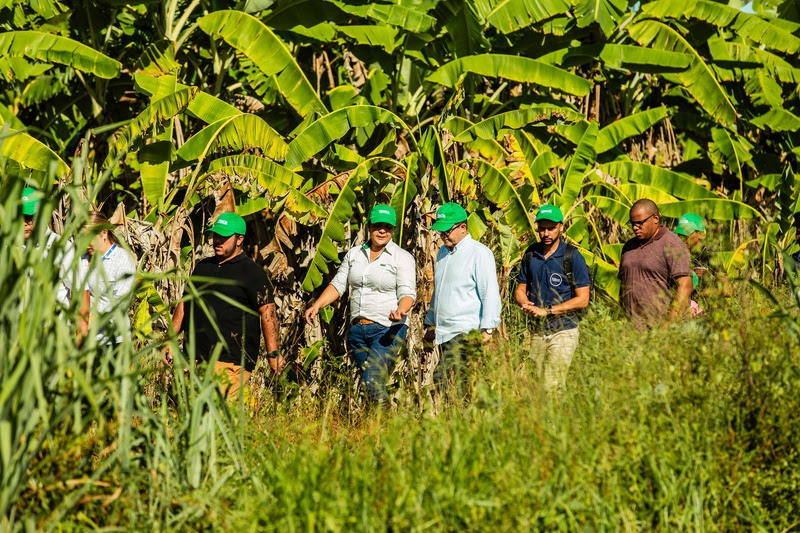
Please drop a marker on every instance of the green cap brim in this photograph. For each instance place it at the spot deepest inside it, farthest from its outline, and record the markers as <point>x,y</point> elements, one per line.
<point>445,225</point>
<point>383,219</point>
<point>222,232</point>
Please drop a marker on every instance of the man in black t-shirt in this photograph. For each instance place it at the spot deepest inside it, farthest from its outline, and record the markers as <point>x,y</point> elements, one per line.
<point>216,317</point>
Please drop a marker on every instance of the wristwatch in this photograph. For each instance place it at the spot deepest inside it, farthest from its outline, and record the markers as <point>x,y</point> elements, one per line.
<point>489,331</point>
<point>549,309</point>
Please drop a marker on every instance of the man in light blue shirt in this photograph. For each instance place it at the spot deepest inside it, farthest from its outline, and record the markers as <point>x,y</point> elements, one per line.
<point>466,296</point>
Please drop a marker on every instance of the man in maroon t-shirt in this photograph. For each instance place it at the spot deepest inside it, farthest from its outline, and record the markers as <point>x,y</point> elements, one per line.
<point>653,263</point>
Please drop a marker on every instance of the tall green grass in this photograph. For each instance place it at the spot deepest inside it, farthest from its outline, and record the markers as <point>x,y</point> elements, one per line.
<point>692,427</point>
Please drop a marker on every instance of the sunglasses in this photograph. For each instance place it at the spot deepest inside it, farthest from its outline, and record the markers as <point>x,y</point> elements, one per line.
<point>637,223</point>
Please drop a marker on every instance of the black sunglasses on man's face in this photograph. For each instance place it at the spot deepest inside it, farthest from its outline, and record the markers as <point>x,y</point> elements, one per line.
<point>637,223</point>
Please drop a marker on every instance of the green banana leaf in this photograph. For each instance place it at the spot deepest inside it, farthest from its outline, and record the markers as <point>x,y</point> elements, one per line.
<point>632,57</point>
<point>56,49</point>
<point>777,120</point>
<point>237,132</point>
<point>762,89</point>
<point>158,111</point>
<point>711,209</point>
<point>390,14</point>
<point>430,147</point>
<point>334,230</point>
<point>404,194</point>
<point>516,68</point>
<point>635,124</point>
<point>155,157</point>
<point>731,149</point>
<point>203,106</point>
<point>606,13</point>
<point>580,163</point>
<point>334,126</point>
<point>28,152</point>
<point>488,149</point>
<point>673,183</point>
<point>617,210</point>
<point>699,80</point>
<point>637,191</point>
<point>273,177</point>
<point>258,43</point>
<point>729,18</point>
<point>509,197</point>
<point>511,15</point>
<point>514,120</point>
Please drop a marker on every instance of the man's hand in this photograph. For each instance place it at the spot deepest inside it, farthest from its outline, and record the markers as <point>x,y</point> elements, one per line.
<point>166,353</point>
<point>311,314</point>
<point>539,312</point>
<point>277,364</point>
<point>397,315</point>
<point>485,336</point>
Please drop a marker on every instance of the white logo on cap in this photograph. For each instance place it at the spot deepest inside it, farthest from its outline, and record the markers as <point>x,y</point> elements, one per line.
<point>441,215</point>
<point>383,211</point>
<point>24,198</point>
<point>222,222</point>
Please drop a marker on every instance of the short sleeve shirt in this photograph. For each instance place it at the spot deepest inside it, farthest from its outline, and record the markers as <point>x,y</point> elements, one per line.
<point>648,271</point>
<point>241,280</point>
<point>548,285</point>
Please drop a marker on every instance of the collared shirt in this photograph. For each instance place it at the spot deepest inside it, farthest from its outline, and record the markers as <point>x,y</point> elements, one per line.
<point>466,296</point>
<point>548,285</point>
<point>648,269</point>
<point>376,286</point>
<point>64,261</point>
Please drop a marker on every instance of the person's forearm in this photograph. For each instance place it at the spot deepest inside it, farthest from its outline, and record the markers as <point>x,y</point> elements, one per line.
<point>521,295</point>
<point>405,304</point>
<point>682,296</point>
<point>269,327</point>
<point>177,318</point>
<point>328,296</point>
<point>579,301</point>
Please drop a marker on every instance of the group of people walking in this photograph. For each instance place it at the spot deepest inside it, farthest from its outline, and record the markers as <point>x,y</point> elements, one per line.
<point>231,306</point>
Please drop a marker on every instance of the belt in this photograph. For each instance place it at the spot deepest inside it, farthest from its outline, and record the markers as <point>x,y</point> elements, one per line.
<point>361,321</point>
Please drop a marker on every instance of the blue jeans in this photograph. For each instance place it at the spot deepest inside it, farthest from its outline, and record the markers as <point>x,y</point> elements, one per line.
<point>375,348</point>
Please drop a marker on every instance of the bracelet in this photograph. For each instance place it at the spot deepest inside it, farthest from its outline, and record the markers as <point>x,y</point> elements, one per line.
<point>273,354</point>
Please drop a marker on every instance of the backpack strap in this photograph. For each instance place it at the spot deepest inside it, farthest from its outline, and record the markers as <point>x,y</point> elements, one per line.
<point>566,265</point>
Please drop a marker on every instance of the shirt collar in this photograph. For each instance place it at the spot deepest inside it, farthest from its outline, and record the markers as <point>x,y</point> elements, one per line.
<point>389,248</point>
<point>562,248</point>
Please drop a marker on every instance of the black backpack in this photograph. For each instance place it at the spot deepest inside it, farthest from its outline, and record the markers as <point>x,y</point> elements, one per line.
<point>567,264</point>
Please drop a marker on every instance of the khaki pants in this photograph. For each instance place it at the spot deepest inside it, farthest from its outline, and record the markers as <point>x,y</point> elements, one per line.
<point>234,377</point>
<point>552,355</point>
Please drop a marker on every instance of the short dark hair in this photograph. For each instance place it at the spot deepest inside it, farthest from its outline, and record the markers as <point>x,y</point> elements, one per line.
<point>649,206</point>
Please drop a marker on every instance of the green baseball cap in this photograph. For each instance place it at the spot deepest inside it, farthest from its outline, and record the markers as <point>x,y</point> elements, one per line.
<point>30,200</point>
<point>549,212</point>
<point>383,214</point>
<point>689,223</point>
<point>448,216</point>
<point>228,224</point>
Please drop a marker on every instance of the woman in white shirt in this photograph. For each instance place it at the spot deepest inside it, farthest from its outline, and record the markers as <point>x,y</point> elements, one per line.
<point>381,277</point>
<point>109,273</point>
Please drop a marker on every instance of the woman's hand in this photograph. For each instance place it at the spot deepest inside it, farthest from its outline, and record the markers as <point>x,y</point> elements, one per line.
<point>311,314</point>
<point>397,315</point>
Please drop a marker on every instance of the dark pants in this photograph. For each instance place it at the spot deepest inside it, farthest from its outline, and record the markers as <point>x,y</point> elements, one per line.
<point>453,359</point>
<point>375,348</point>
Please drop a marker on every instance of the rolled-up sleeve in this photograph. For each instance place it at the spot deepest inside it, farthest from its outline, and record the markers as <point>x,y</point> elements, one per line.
<point>488,289</point>
<point>339,281</point>
<point>406,277</point>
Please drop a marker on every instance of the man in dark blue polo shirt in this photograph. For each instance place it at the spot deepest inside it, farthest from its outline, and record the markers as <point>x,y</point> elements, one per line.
<point>553,285</point>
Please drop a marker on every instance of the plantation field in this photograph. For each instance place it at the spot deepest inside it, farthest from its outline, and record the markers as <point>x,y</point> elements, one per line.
<point>693,427</point>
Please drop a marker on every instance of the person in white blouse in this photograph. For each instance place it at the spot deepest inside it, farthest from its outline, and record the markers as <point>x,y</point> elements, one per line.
<point>381,278</point>
<point>109,280</point>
